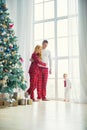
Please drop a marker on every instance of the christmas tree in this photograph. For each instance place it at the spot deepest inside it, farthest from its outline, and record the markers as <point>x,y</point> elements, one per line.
<point>11,73</point>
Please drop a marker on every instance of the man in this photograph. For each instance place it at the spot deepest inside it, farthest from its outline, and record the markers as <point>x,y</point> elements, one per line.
<point>43,77</point>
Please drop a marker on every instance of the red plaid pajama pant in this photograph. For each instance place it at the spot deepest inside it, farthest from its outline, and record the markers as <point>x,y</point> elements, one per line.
<point>42,82</point>
<point>33,84</point>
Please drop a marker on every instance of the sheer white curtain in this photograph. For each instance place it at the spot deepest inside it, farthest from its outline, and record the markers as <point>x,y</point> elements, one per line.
<point>73,50</point>
<point>25,29</point>
<point>82,4</point>
<point>12,9</point>
<point>21,12</point>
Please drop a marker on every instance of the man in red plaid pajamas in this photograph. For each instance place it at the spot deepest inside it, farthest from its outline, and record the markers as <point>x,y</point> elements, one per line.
<point>43,75</point>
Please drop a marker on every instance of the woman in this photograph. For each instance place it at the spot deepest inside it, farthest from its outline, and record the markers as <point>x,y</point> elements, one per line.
<point>34,70</point>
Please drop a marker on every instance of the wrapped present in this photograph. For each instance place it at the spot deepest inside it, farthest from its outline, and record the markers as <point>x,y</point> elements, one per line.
<point>15,95</point>
<point>1,102</point>
<point>10,102</point>
<point>22,102</point>
<point>4,95</point>
<point>7,103</point>
<point>15,103</point>
<point>1,95</point>
<point>29,102</point>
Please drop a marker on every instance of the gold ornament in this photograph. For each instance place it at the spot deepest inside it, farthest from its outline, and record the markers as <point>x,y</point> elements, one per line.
<point>1,81</point>
<point>13,53</point>
<point>5,39</point>
<point>4,26</point>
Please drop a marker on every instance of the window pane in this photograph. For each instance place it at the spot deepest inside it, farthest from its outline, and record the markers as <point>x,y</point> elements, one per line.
<point>75,68</point>
<point>62,28</point>
<point>51,47</point>
<point>62,67</point>
<point>38,12</point>
<point>38,31</point>
<point>53,70</point>
<point>75,46</point>
<point>60,88</point>
<point>73,26</point>
<point>38,1</point>
<point>39,42</point>
<point>62,47</point>
<point>61,8</point>
<point>51,88</point>
<point>49,30</point>
<point>49,10</point>
<point>73,7</point>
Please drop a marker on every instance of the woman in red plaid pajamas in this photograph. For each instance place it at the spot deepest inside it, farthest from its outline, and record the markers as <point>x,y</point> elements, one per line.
<point>34,70</point>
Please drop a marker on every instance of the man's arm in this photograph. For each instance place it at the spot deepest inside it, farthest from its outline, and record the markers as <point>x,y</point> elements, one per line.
<point>50,63</point>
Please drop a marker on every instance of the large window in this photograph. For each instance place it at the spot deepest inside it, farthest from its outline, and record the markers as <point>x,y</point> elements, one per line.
<point>57,21</point>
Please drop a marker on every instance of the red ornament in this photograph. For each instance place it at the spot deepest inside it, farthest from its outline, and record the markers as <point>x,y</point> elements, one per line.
<point>11,25</point>
<point>21,60</point>
<point>11,46</point>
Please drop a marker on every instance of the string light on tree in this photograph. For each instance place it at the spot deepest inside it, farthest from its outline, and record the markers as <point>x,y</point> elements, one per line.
<point>11,73</point>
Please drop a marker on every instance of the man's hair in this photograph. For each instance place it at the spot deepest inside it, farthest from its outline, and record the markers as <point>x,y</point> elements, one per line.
<point>44,41</point>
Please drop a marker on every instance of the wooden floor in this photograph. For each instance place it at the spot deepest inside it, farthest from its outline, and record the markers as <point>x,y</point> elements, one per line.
<point>49,115</point>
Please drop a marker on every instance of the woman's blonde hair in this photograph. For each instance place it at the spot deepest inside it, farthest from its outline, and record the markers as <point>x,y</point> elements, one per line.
<point>38,51</point>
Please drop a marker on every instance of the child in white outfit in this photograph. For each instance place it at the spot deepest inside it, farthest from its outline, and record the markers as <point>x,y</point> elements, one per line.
<point>67,87</point>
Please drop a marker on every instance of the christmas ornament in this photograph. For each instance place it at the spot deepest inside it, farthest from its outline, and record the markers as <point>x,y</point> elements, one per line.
<point>7,50</point>
<point>4,26</point>
<point>13,53</point>
<point>8,34</point>
<point>5,61</point>
<point>11,25</point>
<point>1,29</point>
<point>5,39</point>
<point>1,49</point>
<point>0,63</point>
<point>10,46</point>
<point>3,33</point>
<point>21,60</point>
<point>1,81</point>
<point>5,70</point>
<point>6,77</point>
